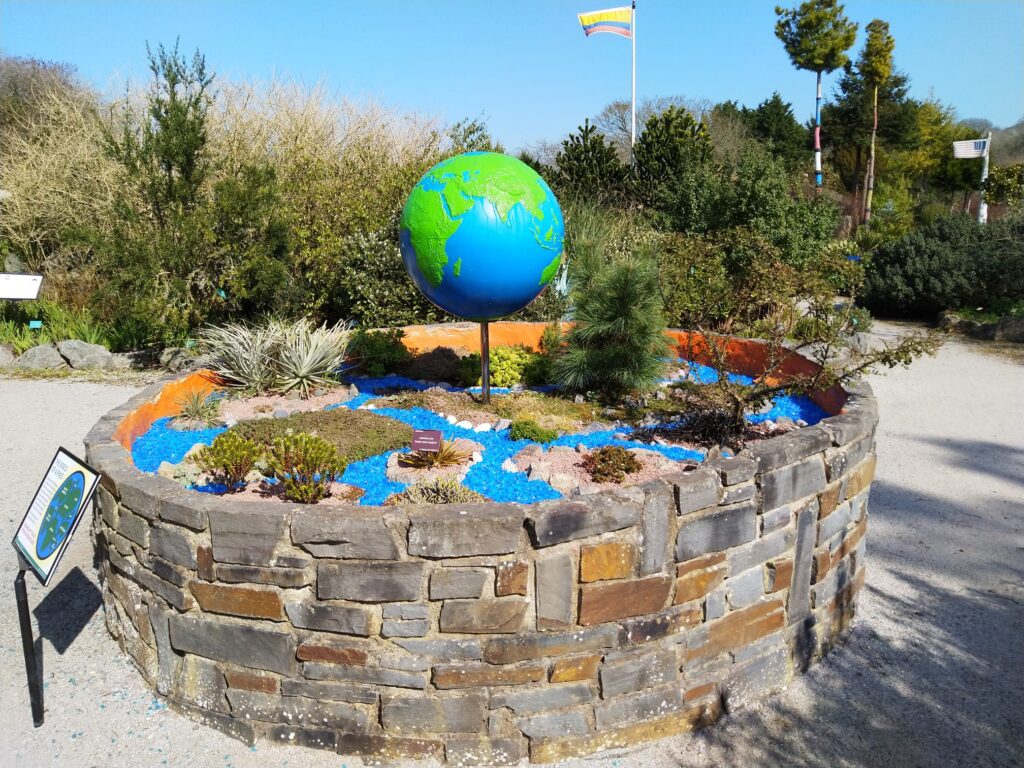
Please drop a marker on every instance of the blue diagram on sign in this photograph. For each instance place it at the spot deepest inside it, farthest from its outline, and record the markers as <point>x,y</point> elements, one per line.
<point>60,515</point>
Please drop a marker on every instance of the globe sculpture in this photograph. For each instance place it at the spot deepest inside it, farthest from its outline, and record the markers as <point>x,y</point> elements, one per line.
<point>481,235</point>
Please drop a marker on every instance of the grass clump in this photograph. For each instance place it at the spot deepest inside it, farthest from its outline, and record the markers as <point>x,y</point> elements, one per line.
<point>229,459</point>
<point>445,456</point>
<point>305,465</point>
<point>610,464</point>
<point>528,429</point>
<point>198,409</point>
<point>441,490</point>
<point>357,435</point>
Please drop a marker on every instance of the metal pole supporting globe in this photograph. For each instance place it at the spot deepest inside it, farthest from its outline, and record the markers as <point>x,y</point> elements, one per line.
<point>481,236</point>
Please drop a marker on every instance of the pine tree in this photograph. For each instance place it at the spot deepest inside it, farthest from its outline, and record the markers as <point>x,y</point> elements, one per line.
<point>588,167</point>
<point>618,342</point>
<point>672,143</point>
<point>875,65</point>
<point>816,36</point>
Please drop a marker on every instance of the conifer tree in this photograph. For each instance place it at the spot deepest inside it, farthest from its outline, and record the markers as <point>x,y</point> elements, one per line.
<point>588,167</point>
<point>816,36</point>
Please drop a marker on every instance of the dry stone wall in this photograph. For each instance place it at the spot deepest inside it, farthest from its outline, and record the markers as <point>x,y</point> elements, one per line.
<point>487,633</point>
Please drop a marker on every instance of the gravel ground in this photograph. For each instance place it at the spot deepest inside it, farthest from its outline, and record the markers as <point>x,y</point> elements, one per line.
<point>932,674</point>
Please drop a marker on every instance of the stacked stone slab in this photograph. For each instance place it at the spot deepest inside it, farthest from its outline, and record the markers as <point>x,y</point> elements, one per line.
<point>486,633</point>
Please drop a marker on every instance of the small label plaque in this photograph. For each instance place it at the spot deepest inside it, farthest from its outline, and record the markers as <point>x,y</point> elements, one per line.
<point>426,440</point>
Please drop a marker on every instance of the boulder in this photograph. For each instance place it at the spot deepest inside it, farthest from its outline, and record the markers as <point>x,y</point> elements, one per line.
<point>42,357</point>
<point>1010,328</point>
<point>175,359</point>
<point>7,355</point>
<point>82,354</point>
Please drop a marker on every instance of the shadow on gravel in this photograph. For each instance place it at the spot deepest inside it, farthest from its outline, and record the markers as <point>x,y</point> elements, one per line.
<point>931,674</point>
<point>67,608</point>
<point>984,457</point>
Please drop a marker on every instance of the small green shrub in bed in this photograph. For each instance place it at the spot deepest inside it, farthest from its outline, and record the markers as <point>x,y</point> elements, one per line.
<point>439,364</point>
<point>509,365</point>
<point>442,490</point>
<point>610,464</point>
<point>229,459</point>
<point>527,429</point>
<point>356,434</point>
<point>305,465</point>
<point>380,352</point>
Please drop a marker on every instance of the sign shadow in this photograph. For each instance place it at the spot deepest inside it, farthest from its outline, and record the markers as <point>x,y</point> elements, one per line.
<point>66,609</point>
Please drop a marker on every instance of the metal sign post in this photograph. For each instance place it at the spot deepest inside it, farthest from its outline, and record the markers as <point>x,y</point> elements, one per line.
<point>41,541</point>
<point>28,646</point>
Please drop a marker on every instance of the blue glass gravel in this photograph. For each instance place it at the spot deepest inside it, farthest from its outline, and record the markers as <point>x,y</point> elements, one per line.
<point>161,443</point>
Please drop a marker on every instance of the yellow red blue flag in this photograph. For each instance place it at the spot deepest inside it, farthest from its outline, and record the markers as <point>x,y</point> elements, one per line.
<point>615,21</point>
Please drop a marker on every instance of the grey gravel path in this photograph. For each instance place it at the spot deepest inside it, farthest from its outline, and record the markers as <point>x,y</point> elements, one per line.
<point>933,674</point>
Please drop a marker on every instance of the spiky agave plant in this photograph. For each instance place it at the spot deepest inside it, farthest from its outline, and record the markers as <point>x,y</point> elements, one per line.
<point>311,356</point>
<point>445,456</point>
<point>243,355</point>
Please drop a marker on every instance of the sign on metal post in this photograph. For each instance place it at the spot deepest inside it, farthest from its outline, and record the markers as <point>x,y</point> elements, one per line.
<point>19,287</point>
<point>41,540</point>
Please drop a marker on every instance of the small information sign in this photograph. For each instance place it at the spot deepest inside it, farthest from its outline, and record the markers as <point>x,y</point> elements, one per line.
<point>54,513</point>
<point>426,440</point>
<point>19,286</point>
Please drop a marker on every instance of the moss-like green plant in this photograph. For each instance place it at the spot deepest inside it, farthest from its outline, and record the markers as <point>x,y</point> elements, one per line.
<point>528,429</point>
<point>305,465</point>
<point>610,464</point>
<point>356,434</point>
<point>229,459</point>
<point>441,490</point>
<point>509,365</point>
<point>198,409</point>
<point>445,456</point>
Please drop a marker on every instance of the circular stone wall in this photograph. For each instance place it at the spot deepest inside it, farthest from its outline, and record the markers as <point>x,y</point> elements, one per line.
<point>486,633</point>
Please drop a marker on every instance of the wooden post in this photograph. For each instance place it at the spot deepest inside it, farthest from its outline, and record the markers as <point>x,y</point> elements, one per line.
<point>485,364</point>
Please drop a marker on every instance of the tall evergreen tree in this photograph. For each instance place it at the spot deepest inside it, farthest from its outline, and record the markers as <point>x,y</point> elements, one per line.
<point>588,167</point>
<point>816,36</point>
<point>672,143</point>
<point>875,65</point>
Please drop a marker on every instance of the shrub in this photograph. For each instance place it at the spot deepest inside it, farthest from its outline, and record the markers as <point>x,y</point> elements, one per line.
<point>198,409</point>
<point>439,364</point>
<point>528,429</point>
<point>379,352</point>
<point>610,464</point>
<point>229,459</point>
<point>275,355</point>
<point>508,366</point>
<point>951,263</point>
<point>356,434</point>
<point>305,465</point>
<point>695,286</point>
<point>441,490</point>
<point>445,456</point>
<point>618,342</point>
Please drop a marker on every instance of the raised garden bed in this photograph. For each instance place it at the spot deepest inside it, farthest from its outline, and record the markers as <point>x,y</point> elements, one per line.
<point>486,632</point>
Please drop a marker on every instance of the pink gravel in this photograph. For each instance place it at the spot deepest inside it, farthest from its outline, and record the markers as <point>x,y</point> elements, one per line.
<point>561,460</point>
<point>263,406</point>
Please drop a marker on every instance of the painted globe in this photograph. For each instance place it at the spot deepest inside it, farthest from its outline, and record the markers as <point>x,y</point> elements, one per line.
<point>481,235</point>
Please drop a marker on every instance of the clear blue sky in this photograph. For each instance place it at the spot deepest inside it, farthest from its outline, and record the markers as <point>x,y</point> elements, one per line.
<point>525,64</point>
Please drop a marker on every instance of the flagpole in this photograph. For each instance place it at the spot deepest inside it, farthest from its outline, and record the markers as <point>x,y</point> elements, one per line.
<point>982,205</point>
<point>632,106</point>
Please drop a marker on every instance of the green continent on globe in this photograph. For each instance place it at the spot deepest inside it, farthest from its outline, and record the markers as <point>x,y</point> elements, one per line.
<point>550,270</point>
<point>456,184</point>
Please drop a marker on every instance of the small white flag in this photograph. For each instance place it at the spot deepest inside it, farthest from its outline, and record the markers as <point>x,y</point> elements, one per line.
<point>965,150</point>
